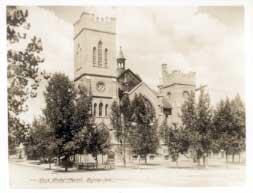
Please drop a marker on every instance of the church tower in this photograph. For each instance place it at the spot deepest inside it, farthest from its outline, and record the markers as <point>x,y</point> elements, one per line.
<point>175,88</point>
<point>95,61</point>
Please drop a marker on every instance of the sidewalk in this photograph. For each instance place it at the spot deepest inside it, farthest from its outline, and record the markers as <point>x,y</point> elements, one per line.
<point>34,163</point>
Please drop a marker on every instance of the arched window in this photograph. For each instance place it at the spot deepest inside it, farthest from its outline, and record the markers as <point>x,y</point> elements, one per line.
<point>100,109</point>
<point>78,55</point>
<point>186,94</point>
<point>169,95</point>
<point>95,109</point>
<point>106,107</point>
<point>100,53</point>
<point>105,56</point>
<point>94,56</point>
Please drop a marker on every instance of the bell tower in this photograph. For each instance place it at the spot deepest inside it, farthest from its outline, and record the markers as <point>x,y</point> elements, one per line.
<point>120,62</point>
<point>95,61</point>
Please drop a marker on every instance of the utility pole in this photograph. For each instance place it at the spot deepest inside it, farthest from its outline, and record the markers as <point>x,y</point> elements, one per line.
<point>123,125</point>
<point>124,138</point>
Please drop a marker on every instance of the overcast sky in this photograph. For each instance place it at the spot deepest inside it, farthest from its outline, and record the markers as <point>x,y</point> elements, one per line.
<point>206,40</point>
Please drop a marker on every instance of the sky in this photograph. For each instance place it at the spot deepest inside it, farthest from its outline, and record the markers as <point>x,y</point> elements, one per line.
<point>207,40</point>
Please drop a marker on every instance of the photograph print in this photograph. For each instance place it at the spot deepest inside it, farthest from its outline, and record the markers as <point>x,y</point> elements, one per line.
<point>118,96</point>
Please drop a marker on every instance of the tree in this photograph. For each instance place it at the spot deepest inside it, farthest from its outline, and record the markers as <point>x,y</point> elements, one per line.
<point>68,113</point>
<point>60,109</point>
<point>23,67</point>
<point>121,122</point>
<point>238,110</point>
<point>229,124</point>
<point>176,140</point>
<point>197,122</point>
<point>98,141</point>
<point>143,136</point>
<point>164,131</point>
<point>40,143</point>
<point>82,119</point>
<point>204,126</point>
<point>126,114</point>
<point>188,117</point>
<point>115,118</point>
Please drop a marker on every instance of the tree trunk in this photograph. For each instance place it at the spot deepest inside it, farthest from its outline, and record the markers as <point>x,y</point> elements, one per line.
<point>198,160</point>
<point>204,161</point>
<point>233,157</point>
<point>124,152</point>
<point>239,157</point>
<point>96,161</point>
<point>102,159</point>
<point>59,161</point>
<point>146,159</point>
<point>49,161</point>
<point>226,154</point>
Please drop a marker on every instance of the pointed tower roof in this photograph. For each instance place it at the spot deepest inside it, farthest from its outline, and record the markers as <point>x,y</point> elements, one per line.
<point>121,55</point>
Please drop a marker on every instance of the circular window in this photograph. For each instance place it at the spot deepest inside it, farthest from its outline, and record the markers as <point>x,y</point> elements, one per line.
<point>100,86</point>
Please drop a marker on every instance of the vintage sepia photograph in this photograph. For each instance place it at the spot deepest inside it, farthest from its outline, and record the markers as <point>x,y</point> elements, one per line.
<point>126,96</point>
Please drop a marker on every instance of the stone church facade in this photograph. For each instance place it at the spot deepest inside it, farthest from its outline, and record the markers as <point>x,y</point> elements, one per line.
<point>106,77</point>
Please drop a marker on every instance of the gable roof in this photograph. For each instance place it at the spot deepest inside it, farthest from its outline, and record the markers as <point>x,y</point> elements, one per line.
<point>129,71</point>
<point>142,83</point>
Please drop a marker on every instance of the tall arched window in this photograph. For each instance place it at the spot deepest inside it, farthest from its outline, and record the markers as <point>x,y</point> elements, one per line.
<point>100,53</point>
<point>186,94</point>
<point>95,109</point>
<point>106,107</point>
<point>94,56</point>
<point>100,109</point>
<point>105,56</point>
<point>169,95</point>
<point>78,55</point>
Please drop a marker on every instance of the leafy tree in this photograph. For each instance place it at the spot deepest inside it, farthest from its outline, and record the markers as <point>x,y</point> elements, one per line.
<point>164,131</point>
<point>204,126</point>
<point>98,141</point>
<point>143,136</point>
<point>121,119</point>
<point>23,66</point>
<point>197,122</point>
<point>229,124</point>
<point>238,110</point>
<point>82,119</point>
<point>68,112</point>
<point>176,140</point>
<point>40,142</point>
<point>115,118</point>
<point>82,116</point>
<point>189,117</point>
<point>60,108</point>
<point>189,114</point>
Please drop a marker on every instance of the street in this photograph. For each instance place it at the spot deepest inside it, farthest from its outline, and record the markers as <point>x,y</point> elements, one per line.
<point>23,175</point>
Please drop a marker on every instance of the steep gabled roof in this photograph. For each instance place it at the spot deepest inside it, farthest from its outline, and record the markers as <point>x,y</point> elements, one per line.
<point>142,83</point>
<point>129,71</point>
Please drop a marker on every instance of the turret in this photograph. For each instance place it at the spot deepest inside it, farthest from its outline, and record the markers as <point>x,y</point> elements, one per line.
<point>120,62</point>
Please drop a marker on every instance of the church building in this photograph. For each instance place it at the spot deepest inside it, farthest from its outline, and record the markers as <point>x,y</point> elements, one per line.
<point>105,74</point>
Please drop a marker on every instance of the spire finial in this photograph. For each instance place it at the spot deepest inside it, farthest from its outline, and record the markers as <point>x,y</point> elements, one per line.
<point>121,55</point>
